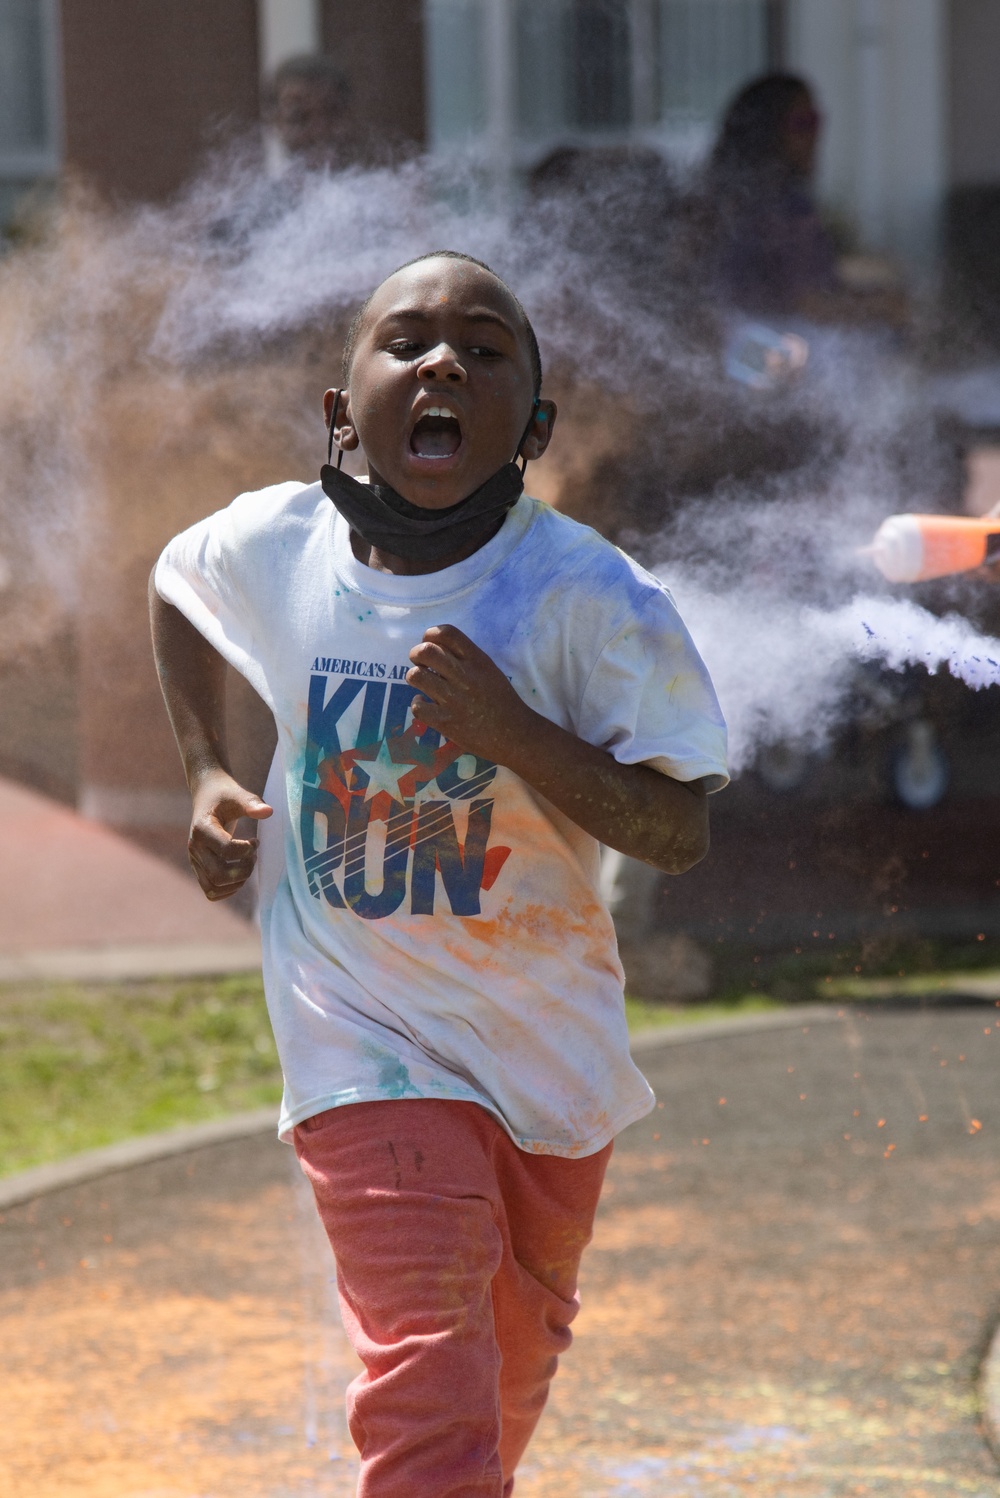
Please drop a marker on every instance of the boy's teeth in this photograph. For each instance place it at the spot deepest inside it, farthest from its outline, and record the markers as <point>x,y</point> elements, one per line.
<point>437,433</point>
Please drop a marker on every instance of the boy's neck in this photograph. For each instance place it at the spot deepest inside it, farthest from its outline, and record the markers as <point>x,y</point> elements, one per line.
<point>385,561</point>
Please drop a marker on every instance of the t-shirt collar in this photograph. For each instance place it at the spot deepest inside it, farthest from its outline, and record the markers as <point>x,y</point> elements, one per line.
<point>429,587</point>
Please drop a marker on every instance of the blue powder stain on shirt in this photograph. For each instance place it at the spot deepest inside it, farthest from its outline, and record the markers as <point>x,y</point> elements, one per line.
<point>393,1079</point>
<point>561,554</point>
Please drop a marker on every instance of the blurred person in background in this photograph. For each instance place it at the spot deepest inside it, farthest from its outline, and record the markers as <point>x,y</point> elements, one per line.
<point>771,252</point>
<point>307,108</point>
<point>313,120</point>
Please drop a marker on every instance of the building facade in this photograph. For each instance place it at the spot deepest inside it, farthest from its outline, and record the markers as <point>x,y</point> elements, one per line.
<point>129,94</point>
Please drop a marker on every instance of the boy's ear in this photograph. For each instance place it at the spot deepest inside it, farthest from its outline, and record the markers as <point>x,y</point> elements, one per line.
<point>540,431</point>
<point>344,432</point>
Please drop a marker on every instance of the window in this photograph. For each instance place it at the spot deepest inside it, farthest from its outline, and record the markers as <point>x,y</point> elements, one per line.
<point>707,49</point>
<point>572,67</point>
<point>28,130</point>
<point>454,44</point>
<point>566,70</point>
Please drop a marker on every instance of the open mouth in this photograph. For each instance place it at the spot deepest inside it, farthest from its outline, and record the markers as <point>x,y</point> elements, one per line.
<point>437,434</point>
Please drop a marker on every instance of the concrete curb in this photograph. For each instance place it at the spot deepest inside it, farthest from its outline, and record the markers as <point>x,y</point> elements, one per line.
<point>90,1165</point>
<point>989,1395</point>
<point>131,964</point>
<point>745,1024</point>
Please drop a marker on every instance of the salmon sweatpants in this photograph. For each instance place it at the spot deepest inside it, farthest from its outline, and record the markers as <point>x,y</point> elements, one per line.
<point>457,1258</point>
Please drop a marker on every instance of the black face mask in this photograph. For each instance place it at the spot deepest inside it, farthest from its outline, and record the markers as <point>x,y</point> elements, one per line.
<point>390,523</point>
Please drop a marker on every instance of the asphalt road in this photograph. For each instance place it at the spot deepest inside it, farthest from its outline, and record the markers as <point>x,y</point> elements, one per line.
<point>788,1295</point>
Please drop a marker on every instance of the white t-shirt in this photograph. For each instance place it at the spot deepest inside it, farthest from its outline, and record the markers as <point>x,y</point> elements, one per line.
<point>432,927</point>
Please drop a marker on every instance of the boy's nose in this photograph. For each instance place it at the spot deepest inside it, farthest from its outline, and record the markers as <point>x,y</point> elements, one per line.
<point>442,363</point>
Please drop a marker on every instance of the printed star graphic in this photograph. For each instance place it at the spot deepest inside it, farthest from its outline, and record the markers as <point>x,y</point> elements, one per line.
<point>384,774</point>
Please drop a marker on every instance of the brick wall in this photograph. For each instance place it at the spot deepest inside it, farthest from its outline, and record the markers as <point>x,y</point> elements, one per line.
<point>380,46</point>
<point>148,84</point>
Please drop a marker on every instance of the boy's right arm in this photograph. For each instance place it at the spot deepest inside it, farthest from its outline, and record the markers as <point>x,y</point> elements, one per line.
<point>193,678</point>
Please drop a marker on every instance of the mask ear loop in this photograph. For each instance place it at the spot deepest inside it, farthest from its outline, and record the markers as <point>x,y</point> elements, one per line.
<point>531,421</point>
<point>333,422</point>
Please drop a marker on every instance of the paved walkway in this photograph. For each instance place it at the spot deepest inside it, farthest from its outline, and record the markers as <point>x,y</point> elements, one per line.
<point>796,1271</point>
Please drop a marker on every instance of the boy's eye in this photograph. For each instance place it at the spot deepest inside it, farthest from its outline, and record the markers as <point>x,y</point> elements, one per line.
<point>409,348</point>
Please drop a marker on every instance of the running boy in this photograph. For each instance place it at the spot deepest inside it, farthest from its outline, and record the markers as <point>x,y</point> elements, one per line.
<point>472,692</point>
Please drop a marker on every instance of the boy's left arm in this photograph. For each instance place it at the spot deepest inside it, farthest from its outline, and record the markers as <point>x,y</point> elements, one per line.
<point>632,808</point>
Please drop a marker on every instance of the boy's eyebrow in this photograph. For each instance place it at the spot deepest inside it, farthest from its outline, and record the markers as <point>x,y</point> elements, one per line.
<point>479,314</point>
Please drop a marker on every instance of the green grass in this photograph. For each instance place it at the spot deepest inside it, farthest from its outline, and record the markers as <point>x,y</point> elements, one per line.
<point>643,1015</point>
<point>86,1065</point>
<point>865,968</point>
<point>83,1065</point>
<point>913,986</point>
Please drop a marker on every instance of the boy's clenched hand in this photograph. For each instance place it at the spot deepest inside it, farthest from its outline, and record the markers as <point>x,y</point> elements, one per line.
<point>223,863</point>
<point>629,807</point>
<point>464,695</point>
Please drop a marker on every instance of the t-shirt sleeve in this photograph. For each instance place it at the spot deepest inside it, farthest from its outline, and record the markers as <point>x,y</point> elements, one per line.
<point>650,700</point>
<point>208,572</point>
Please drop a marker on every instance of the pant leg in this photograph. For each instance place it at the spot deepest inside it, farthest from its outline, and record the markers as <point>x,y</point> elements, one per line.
<point>549,1206</point>
<point>408,1195</point>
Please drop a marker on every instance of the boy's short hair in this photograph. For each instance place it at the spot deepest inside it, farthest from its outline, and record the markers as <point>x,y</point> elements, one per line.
<point>352,333</point>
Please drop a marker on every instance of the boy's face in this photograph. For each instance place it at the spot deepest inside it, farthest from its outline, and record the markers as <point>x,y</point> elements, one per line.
<point>441,385</point>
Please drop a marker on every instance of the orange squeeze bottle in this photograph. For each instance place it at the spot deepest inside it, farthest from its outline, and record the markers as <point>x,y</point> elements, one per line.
<point>911,548</point>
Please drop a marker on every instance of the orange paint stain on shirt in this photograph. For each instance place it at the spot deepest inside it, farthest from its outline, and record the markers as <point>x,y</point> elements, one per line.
<point>492,864</point>
<point>531,924</point>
